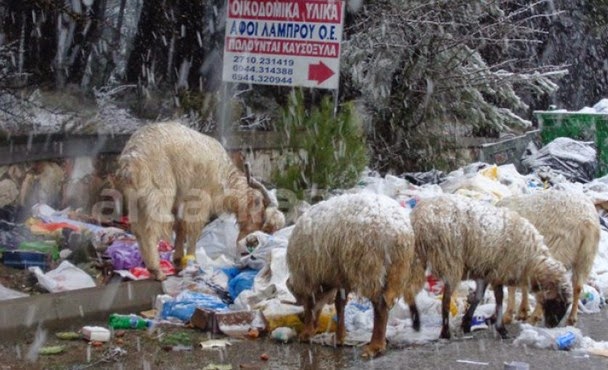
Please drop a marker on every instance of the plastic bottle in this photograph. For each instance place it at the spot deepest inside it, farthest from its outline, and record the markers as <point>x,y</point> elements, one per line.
<point>565,341</point>
<point>132,321</point>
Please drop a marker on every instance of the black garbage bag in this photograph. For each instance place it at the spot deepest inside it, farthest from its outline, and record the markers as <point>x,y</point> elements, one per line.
<point>574,160</point>
<point>421,178</point>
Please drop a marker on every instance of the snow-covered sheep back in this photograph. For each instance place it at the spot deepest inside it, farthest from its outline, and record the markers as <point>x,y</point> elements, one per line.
<point>570,225</point>
<point>463,238</point>
<point>175,178</point>
<point>360,243</point>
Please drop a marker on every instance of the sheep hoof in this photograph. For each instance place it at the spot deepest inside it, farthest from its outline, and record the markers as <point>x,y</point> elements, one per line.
<point>373,350</point>
<point>305,336</point>
<point>534,319</point>
<point>503,332</point>
<point>522,316</point>
<point>159,275</point>
<point>445,334</point>
<point>416,325</point>
<point>571,321</point>
<point>507,318</point>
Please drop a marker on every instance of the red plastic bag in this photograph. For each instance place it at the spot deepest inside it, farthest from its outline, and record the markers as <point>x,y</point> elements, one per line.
<point>143,273</point>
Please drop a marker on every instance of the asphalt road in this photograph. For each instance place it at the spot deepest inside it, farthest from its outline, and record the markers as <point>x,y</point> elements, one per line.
<point>481,351</point>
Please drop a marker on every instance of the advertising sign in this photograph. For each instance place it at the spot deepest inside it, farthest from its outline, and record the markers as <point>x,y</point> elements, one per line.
<point>284,42</point>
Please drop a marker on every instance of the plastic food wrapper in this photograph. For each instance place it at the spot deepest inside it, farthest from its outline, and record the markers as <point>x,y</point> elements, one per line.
<point>65,277</point>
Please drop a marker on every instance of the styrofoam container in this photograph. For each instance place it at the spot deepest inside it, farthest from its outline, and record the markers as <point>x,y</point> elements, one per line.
<point>96,333</point>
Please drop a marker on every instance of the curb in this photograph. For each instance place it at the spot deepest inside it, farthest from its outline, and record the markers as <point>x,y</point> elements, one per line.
<point>70,310</point>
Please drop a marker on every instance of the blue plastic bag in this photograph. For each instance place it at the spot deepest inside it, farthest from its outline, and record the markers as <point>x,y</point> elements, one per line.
<point>242,281</point>
<point>184,305</point>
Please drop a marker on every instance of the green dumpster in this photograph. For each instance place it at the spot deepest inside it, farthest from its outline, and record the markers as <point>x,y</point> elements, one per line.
<point>578,126</point>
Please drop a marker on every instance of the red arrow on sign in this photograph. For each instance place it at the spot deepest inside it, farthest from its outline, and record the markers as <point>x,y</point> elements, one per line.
<point>319,72</point>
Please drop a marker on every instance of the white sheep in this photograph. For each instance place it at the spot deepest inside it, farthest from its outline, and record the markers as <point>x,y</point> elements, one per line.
<point>176,178</point>
<point>360,243</point>
<point>463,238</point>
<point>570,226</point>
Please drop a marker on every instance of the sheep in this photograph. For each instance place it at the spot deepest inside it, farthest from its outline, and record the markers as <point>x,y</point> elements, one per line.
<point>176,178</point>
<point>462,238</point>
<point>570,226</point>
<point>360,243</point>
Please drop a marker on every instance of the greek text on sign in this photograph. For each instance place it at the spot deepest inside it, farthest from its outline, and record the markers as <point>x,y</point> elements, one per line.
<point>284,42</point>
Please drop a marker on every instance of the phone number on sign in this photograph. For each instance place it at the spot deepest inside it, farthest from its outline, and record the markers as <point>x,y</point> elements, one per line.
<point>265,70</point>
<point>263,61</point>
<point>261,79</point>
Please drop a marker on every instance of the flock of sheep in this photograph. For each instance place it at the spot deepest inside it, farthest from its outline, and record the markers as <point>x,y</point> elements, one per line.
<point>175,179</point>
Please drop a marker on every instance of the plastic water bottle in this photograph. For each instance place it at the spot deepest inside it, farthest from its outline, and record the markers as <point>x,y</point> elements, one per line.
<point>132,321</point>
<point>565,341</point>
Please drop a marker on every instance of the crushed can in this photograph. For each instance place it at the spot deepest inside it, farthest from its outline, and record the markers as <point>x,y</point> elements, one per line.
<point>565,341</point>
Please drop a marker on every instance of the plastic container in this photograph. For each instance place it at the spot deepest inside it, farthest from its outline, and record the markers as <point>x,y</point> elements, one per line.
<point>131,321</point>
<point>24,259</point>
<point>44,246</point>
<point>96,333</point>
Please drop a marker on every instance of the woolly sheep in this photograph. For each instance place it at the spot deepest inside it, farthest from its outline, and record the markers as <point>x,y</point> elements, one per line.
<point>570,226</point>
<point>176,178</point>
<point>360,243</point>
<point>462,238</point>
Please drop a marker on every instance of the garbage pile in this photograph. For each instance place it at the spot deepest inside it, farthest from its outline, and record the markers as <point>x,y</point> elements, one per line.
<point>238,288</point>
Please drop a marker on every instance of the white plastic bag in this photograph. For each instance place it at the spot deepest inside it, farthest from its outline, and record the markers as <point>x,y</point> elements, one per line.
<point>218,240</point>
<point>65,277</point>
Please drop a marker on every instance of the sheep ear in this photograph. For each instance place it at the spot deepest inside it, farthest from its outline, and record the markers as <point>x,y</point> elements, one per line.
<point>255,184</point>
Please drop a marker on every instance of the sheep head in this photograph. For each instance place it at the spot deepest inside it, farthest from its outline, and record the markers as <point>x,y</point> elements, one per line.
<point>555,303</point>
<point>261,211</point>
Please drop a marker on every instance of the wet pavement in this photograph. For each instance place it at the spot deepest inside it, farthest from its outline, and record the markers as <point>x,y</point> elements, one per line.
<point>145,351</point>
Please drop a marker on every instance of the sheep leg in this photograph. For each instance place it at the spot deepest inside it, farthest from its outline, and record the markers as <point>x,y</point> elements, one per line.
<point>414,313</point>
<point>524,306</point>
<point>180,238</point>
<point>149,252</point>
<point>474,299</point>
<point>341,298</point>
<point>510,310</point>
<point>377,345</point>
<point>310,321</point>
<point>576,294</point>
<point>499,325</point>
<point>445,310</point>
<point>537,314</point>
<point>312,311</point>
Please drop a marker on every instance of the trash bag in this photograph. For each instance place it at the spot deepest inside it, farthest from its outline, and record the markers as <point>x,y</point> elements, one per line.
<point>574,160</point>
<point>219,238</point>
<point>421,178</point>
<point>125,254</point>
<point>184,305</point>
<point>241,281</point>
<point>255,249</point>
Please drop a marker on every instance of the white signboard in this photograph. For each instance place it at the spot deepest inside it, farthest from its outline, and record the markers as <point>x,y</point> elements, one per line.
<point>284,42</point>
